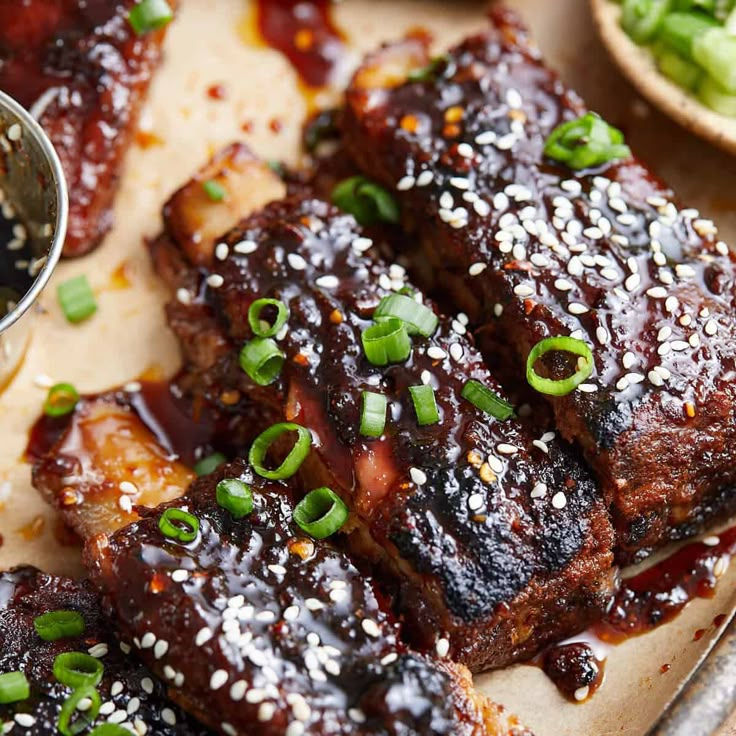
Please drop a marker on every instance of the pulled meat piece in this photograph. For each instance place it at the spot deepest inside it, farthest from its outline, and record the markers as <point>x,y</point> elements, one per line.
<point>262,630</point>
<point>493,540</point>
<point>83,73</point>
<point>531,249</point>
<point>130,695</point>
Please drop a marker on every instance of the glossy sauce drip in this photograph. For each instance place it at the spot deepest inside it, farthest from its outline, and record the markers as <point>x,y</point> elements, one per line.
<point>306,34</point>
<point>643,603</point>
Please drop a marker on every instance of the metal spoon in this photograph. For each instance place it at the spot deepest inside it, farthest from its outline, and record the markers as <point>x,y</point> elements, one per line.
<point>33,189</point>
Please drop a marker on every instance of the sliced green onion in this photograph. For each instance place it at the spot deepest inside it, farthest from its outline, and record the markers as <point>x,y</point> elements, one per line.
<point>109,729</point>
<point>681,71</point>
<point>179,525</point>
<point>59,625</point>
<point>260,326</point>
<point>387,342</point>
<point>150,15</point>
<point>61,400</point>
<point>262,360</point>
<point>321,513</point>
<point>14,687</point>
<point>294,459</point>
<point>486,400</point>
<point>235,496</point>
<point>72,719</point>
<point>76,299</point>
<point>365,200</point>
<point>715,51</point>
<point>425,405</point>
<point>565,385</point>
<point>681,30</point>
<point>76,669</point>
<point>373,414</point>
<point>430,72</point>
<point>209,464</point>
<point>642,19</point>
<point>214,190</point>
<point>418,318</point>
<point>586,142</point>
<point>716,98</point>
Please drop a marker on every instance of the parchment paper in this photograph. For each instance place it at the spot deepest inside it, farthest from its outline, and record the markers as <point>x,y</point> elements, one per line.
<point>212,42</point>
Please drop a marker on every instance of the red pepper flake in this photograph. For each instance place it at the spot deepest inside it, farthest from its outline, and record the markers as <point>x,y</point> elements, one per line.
<point>275,125</point>
<point>217,92</point>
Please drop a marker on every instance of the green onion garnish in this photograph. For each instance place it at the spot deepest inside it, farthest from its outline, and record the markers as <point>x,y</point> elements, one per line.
<point>425,405</point>
<point>641,19</point>
<point>14,687</point>
<point>214,190</point>
<point>321,513</point>
<point>76,299</point>
<point>179,525</point>
<point>150,15</point>
<point>486,400</point>
<point>565,385</point>
<point>109,729</point>
<point>294,459</point>
<point>586,142</point>
<point>365,200</point>
<point>260,326</point>
<point>61,400</point>
<point>262,360</point>
<point>418,318</point>
<point>59,625</point>
<point>209,464</point>
<point>72,720</point>
<point>387,342</point>
<point>430,72</point>
<point>373,414</point>
<point>234,496</point>
<point>76,669</point>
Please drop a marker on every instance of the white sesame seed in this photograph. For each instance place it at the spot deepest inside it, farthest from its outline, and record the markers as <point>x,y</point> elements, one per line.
<point>629,360</point>
<point>465,150</point>
<point>107,708</point>
<point>486,138</point>
<point>671,304</point>
<point>302,711</point>
<point>436,353</point>
<point>328,281</point>
<point>442,647</point>
<point>218,679</point>
<point>507,449</point>
<point>711,327</point>
<point>664,333</point>
<point>622,384</point>
<point>296,261</point>
<point>632,282</point>
<point>266,711</point>
<point>523,290</point>
<point>425,178</point>
<point>694,340</point>
<point>295,728</point>
<point>168,716</point>
<point>540,445</point>
<point>148,640</point>
<point>679,345</point>
<point>582,693</point>
<point>222,251</point>
<point>722,248</point>
<point>245,247</point>
<point>215,281</point>
<point>657,292</point>
<point>685,320</point>
<point>255,696</point>
<point>475,502</point>
<point>228,729</point>
<point>180,576</point>
<point>559,500</point>
<point>602,334</point>
<point>361,244</point>
<point>26,720</point>
<point>719,569</point>
<point>406,183</point>
<point>506,142</point>
<point>203,636</point>
<point>370,627</point>
<point>98,650</point>
<point>133,705</point>
<point>655,379</point>
<point>116,688</point>
<point>160,649</point>
<point>147,685</point>
<point>118,716</point>
<point>15,132</point>
<point>563,285</point>
<point>634,378</point>
<point>539,490</point>
<point>482,207</point>
<point>588,388</point>
<point>577,308</point>
<point>418,476</point>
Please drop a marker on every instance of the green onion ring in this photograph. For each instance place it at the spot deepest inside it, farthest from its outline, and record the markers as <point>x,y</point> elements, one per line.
<point>69,709</point>
<point>59,625</point>
<point>109,729</point>
<point>262,360</point>
<point>77,669</point>
<point>418,318</point>
<point>294,459</point>
<point>425,405</point>
<point>565,385</point>
<point>373,414</point>
<point>209,464</point>
<point>261,327</point>
<point>14,687</point>
<point>171,522</point>
<point>62,399</point>
<point>386,342</point>
<point>486,400</point>
<point>235,496</point>
<point>321,513</point>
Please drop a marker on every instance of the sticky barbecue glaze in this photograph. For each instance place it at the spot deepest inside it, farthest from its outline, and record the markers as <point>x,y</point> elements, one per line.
<point>83,72</point>
<point>258,629</point>
<point>531,249</point>
<point>477,559</point>
<point>130,695</point>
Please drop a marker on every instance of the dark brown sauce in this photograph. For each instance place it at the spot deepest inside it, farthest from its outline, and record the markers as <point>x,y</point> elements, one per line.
<point>15,264</point>
<point>643,603</point>
<point>304,32</point>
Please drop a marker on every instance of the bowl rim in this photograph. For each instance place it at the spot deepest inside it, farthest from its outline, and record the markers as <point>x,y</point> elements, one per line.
<point>32,127</point>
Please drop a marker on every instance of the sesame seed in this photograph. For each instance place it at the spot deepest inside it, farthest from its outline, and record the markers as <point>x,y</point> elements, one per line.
<point>418,476</point>
<point>116,688</point>
<point>523,290</point>
<point>655,379</point>
<point>147,685</point>
<point>160,649</point>
<point>15,132</point>
<point>129,488</point>
<point>540,445</point>
<point>203,636</point>
<point>507,449</point>
<point>657,292</point>
<point>133,705</point>
<point>361,245</point>
<point>245,247</point>
<point>222,251</point>
<point>442,647</point>
<point>168,716</point>
<point>482,207</point>
<point>215,281</point>
<point>475,502</point>
<point>405,183</point>
<point>277,569</point>
<point>436,353</point>
<point>486,138</point>
<point>563,285</point>
<point>588,388</point>
<point>577,308</point>
<point>183,296</point>
<point>425,178</point>
<point>148,640</point>
<point>664,333</point>
<point>389,659</point>
<point>632,282</point>
<point>671,304</point>
<point>539,490</point>
<point>622,384</point>
<point>602,334</point>
<point>125,504</point>
<point>295,728</point>
<point>719,569</point>
<point>711,327</point>
<point>180,576</point>
<point>228,729</point>
<point>255,696</point>
<point>98,650</point>
<point>679,345</point>
<point>296,261</point>
<point>218,679</point>
<point>266,711</point>
<point>629,359</point>
<point>370,627</point>
<point>465,150</point>
<point>328,281</point>
<point>559,500</point>
<point>582,693</point>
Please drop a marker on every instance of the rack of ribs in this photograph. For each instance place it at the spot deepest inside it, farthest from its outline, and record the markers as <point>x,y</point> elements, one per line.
<point>531,249</point>
<point>496,540</point>
<point>130,695</point>
<point>254,627</point>
<point>83,73</point>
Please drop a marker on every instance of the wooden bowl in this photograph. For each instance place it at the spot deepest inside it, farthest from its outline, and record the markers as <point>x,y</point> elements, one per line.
<point>638,64</point>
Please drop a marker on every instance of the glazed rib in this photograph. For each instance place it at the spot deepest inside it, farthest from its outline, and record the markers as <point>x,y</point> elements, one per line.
<point>130,695</point>
<point>530,249</point>
<point>83,72</point>
<point>255,628</point>
<point>445,511</point>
